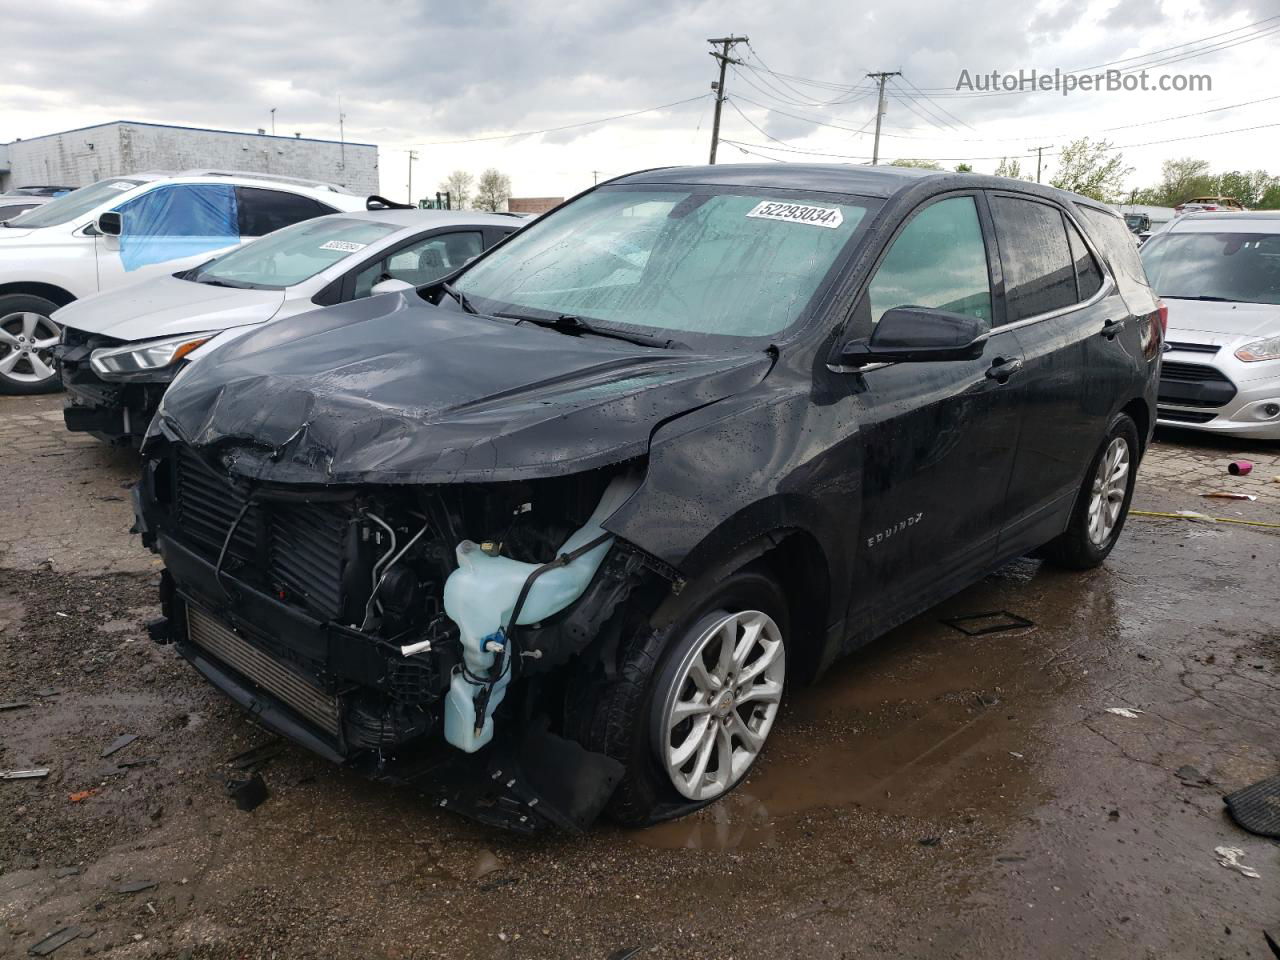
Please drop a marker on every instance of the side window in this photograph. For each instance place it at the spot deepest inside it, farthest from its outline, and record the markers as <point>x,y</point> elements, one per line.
<point>1039,276</point>
<point>1117,246</point>
<point>938,260</point>
<point>423,262</point>
<point>1088,273</point>
<point>176,221</point>
<point>264,211</point>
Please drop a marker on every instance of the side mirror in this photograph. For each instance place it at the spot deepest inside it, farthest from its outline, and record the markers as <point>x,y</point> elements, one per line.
<point>918,335</point>
<point>109,224</point>
<point>389,285</point>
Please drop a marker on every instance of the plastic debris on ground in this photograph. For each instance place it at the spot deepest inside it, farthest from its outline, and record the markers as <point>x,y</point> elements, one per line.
<point>1240,468</point>
<point>119,743</point>
<point>1256,808</point>
<point>59,938</point>
<point>1126,712</point>
<point>1229,857</point>
<point>248,794</point>
<point>981,624</point>
<point>1222,495</point>
<point>31,774</point>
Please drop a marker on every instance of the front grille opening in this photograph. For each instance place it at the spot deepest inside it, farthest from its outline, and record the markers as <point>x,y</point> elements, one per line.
<point>1184,416</point>
<point>1206,348</point>
<point>1191,373</point>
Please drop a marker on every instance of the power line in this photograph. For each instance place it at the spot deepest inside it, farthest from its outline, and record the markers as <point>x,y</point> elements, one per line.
<point>567,126</point>
<point>937,105</point>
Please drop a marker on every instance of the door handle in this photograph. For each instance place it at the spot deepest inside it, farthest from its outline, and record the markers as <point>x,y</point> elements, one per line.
<point>1110,328</point>
<point>1002,369</point>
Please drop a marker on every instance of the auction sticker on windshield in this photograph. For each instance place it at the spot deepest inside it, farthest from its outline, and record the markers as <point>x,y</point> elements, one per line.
<point>798,213</point>
<point>345,246</point>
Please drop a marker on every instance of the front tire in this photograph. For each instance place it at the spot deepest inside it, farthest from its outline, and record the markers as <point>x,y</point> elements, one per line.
<point>694,702</point>
<point>27,339</point>
<point>1102,503</point>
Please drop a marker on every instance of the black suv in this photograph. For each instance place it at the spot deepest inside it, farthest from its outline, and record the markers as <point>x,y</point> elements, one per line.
<point>554,535</point>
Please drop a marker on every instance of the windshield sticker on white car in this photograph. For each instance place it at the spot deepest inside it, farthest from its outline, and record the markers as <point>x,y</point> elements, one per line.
<point>345,246</point>
<point>798,213</point>
<point>123,186</point>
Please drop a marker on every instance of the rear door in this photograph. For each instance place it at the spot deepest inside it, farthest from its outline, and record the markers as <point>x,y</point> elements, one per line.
<point>260,211</point>
<point>938,438</point>
<point>1068,317</point>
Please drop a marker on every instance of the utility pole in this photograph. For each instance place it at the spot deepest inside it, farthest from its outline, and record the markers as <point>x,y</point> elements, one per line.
<point>413,155</point>
<point>342,138</point>
<point>882,78</point>
<point>725,44</point>
<point>595,176</point>
<point>273,121</point>
<point>1039,156</point>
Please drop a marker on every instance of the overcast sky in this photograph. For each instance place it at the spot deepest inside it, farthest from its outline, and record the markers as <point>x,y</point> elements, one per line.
<point>412,74</point>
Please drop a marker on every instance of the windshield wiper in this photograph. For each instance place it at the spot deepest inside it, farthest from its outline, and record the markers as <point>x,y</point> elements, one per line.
<point>569,323</point>
<point>1209,299</point>
<point>223,283</point>
<point>463,300</point>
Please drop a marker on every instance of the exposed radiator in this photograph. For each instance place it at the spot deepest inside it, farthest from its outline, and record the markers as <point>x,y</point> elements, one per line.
<point>266,671</point>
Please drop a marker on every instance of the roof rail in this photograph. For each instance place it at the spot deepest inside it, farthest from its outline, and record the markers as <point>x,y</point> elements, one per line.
<point>278,178</point>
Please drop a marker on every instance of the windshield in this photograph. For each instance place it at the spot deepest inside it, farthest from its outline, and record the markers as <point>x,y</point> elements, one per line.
<point>292,255</point>
<point>74,204</point>
<point>723,262</point>
<point>1216,266</point>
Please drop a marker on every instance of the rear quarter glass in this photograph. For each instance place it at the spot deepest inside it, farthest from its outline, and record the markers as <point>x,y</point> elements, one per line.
<point>1118,248</point>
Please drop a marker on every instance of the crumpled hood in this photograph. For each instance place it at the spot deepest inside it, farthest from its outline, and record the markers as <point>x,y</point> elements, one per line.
<point>393,390</point>
<point>167,306</point>
<point>1226,320</point>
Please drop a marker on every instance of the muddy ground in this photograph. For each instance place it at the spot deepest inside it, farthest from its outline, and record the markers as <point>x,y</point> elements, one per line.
<point>935,796</point>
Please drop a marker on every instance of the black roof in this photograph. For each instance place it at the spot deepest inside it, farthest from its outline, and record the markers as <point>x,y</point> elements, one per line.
<point>857,179</point>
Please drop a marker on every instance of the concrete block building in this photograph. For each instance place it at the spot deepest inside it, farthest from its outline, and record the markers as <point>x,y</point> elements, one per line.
<point>79,157</point>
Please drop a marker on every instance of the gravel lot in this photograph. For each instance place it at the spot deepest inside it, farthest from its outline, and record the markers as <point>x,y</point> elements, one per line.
<point>935,796</point>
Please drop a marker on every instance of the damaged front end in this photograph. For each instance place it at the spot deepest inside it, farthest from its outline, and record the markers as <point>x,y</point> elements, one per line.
<point>425,633</point>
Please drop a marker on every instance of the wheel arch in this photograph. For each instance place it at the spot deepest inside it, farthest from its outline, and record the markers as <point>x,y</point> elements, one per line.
<point>48,291</point>
<point>1139,412</point>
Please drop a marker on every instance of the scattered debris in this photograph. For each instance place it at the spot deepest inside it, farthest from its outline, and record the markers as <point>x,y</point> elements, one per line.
<point>485,864</point>
<point>1229,857</point>
<point>998,621</point>
<point>1223,495</point>
<point>66,872</point>
<point>1193,515</point>
<point>59,938</point>
<point>256,756</point>
<point>1257,808</point>
<point>136,886</point>
<point>119,743</point>
<point>46,693</point>
<point>1240,468</point>
<point>626,953</point>
<point>80,796</point>
<point>1192,777</point>
<point>140,762</point>
<point>1016,756</point>
<point>929,841</point>
<point>248,794</point>
<point>59,613</point>
<point>1272,942</point>
<point>32,774</point>
<point>13,705</point>
<point>1127,712</point>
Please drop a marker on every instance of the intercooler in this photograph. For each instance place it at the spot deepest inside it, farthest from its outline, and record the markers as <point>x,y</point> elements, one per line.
<point>270,674</point>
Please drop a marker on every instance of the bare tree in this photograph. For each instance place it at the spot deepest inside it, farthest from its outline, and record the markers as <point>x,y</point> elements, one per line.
<point>458,186</point>
<point>493,190</point>
<point>1011,169</point>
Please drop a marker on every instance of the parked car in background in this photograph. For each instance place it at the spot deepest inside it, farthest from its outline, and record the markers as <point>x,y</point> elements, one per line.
<point>11,206</point>
<point>1209,204</point>
<point>556,532</point>
<point>1144,219</point>
<point>1219,273</point>
<point>120,349</point>
<point>37,191</point>
<point>125,229</point>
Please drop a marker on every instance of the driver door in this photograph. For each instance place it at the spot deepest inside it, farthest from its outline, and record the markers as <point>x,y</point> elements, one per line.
<point>939,437</point>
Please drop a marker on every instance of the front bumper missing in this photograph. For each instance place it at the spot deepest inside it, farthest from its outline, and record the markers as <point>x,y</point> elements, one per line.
<point>528,780</point>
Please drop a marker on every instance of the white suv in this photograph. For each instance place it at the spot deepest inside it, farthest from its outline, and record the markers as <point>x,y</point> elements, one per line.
<point>156,223</point>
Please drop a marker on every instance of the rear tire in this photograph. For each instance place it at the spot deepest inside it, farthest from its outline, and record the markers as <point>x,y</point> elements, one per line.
<point>1102,503</point>
<point>27,339</point>
<point>625,718</point>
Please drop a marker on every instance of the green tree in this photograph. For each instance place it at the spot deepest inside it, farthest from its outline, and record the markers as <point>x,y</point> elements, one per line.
<point>1270,200</point>
<point>918,164</point>
<point>1247,187</point>
<point>1091,168</point>
<point>458,186</point>
<point>964,168</point>
<point>1184,178</point>
<point>1011,169</point>
<point>493,190</point>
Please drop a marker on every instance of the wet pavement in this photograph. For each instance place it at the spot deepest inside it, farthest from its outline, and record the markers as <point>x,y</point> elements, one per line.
<point>936,795</point>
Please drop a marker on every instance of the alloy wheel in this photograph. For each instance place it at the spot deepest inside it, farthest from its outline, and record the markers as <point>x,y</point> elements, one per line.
<point>26,347</point>
<point>723,700</point>
<point>1110,485</point>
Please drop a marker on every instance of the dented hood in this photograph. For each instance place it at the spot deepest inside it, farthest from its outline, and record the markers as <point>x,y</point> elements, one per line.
<point>393,390</point>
